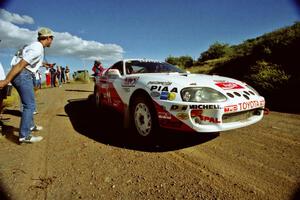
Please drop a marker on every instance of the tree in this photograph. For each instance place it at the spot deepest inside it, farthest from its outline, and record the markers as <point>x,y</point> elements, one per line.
<point>172,60</point>
<point>182,61</point>
<point>216,50</point>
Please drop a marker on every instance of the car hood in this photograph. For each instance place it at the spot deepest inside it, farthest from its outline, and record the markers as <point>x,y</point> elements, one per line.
<point>216,82</point>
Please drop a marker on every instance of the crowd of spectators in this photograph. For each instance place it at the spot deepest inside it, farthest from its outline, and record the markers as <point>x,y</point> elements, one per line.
<point>57,75</point>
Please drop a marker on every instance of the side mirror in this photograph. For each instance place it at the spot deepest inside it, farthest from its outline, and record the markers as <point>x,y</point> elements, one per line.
<point>113,73</point>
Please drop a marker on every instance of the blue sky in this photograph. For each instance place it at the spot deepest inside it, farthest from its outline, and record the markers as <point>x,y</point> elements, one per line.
<point>114,29</point>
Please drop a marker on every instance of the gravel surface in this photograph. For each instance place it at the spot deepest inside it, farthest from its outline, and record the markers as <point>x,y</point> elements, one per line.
<point>87,154</point>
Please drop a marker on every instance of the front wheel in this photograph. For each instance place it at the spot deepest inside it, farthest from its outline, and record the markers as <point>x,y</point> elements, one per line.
<point>143,116</point>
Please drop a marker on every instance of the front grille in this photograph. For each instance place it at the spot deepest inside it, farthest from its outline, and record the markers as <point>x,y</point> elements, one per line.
<point>240,116</point>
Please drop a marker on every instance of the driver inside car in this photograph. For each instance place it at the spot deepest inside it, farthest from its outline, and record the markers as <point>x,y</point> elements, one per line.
<point>129,70</point>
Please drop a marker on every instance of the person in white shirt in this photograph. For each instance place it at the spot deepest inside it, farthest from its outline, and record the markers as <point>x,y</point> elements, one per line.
<point>2,93</point>
<point>38,81</point>
<point>25,64</point>
<point>2,73</point>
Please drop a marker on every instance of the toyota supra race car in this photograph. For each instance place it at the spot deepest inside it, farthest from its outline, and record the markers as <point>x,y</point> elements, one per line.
<point>153,94</point>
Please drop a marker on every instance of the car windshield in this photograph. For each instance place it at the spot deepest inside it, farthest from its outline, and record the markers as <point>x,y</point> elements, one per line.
<point>135,66</point>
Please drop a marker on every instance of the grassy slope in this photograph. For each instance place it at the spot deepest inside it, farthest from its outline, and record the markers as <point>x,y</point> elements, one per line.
<point>269,63</point>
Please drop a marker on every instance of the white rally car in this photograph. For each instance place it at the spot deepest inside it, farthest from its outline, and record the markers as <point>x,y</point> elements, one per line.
<point>154,94</point>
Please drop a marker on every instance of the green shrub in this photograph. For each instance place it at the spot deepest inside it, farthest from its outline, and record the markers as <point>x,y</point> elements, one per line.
<point>82,76</point>
<point>182,61</point>
<point>268,76</point>
<point>216,50</point>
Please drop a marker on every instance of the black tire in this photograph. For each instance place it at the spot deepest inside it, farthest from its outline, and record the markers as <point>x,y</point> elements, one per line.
<point>143,117</point>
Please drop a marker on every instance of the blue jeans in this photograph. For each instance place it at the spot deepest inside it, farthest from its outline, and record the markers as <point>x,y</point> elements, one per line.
<point>23,83</point>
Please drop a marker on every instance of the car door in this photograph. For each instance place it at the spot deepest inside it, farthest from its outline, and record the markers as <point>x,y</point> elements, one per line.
<point>102,86</point>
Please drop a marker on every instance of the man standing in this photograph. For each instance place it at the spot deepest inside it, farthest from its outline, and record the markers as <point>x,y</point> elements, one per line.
<point>2,94</point>
<point>63,74</point>
<point>21,75</point>
<point>38,80</point>
<point>53,76</point>
<point>67,72</point>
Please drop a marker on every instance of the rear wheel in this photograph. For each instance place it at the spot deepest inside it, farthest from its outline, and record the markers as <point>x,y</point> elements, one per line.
<point>143,116</point>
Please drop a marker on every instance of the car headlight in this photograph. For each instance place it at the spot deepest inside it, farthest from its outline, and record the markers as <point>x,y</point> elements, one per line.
<point>202,95</point>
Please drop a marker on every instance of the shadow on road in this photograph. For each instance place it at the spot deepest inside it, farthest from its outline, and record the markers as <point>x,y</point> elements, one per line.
<point>296,195</point>
<point>107,127</point>
<point>16,113</point>
<point>8,132</point>
<point>69,90</point>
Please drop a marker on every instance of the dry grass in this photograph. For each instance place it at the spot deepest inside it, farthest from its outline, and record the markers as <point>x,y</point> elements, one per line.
<point>11,100</point>
<point>207,66</point>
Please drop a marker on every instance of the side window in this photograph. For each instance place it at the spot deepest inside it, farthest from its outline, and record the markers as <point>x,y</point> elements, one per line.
<point>129,69</point>
<point>119,66</point>
<point>134,67</point>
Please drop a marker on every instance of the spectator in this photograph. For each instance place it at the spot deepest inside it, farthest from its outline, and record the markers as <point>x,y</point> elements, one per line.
<point>97,68</point>
<point>2,73</point>
<point>37,85</point>
<point>53,76</point>
<point>2,77</point>
<point>38,81</point>
<point>58,75</point>
<point>63,74</point>
<point>21,75</point>
<point>4,92</point>
<point>48,77</point>
<point>67,72</point>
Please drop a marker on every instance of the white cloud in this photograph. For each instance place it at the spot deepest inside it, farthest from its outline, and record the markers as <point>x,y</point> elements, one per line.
<point>64,44</point>
<point>15,18</point>
<point>13,36</point>
<point>69,45</point>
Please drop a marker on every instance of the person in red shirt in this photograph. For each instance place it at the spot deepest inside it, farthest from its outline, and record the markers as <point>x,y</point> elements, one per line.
<point>97,68</point>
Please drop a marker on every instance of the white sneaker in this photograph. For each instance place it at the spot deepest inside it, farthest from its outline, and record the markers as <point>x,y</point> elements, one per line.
<point>30,139</point>
<point>36,128</point>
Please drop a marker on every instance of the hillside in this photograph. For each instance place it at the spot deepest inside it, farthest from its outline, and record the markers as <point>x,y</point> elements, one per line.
<point>269,63</point>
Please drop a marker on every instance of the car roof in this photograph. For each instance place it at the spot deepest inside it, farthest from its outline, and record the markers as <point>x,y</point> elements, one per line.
<point>141,60</point>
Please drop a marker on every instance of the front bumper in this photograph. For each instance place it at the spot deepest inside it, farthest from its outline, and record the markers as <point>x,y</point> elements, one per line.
<point>208,117</point>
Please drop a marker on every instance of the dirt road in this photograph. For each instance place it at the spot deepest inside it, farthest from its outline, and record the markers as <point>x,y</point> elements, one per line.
<point>88,155</point>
